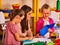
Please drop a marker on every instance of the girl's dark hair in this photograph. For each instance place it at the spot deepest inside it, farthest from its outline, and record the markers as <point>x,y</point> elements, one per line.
<point>15,12</point>
<point>24,22</point>
<point>45,6</point>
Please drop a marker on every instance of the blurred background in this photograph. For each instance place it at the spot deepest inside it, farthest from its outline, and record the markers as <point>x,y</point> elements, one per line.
<point>7,5</point>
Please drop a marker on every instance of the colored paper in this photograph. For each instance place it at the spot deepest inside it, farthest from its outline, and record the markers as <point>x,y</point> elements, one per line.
<point>44,30</point>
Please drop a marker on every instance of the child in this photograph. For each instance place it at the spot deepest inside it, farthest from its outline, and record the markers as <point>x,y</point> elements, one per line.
<point>12,34</point>
<point>45,20</point>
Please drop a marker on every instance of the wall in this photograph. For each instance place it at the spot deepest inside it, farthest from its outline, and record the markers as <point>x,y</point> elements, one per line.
<point>8,3</point>
<point>27,2</point>
<point>52,3</point>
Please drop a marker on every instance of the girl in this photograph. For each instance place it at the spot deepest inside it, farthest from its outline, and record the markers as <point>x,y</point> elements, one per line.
<point>12,34</point>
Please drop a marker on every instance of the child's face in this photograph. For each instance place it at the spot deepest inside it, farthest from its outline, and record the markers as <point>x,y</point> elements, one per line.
<point>29,15</point>
<point>18,18</point>
<point>46,12</point>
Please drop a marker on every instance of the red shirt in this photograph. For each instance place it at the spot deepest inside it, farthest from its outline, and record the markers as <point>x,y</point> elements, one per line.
<point>40,24</point>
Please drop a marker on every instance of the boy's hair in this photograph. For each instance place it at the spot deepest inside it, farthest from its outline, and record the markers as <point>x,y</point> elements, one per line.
<point>45,6</point>
<point>15,12</point>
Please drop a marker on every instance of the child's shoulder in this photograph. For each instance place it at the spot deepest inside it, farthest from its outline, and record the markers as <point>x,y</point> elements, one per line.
<point>10,24</point>
<point>41,19</point>
<point>50,18</point>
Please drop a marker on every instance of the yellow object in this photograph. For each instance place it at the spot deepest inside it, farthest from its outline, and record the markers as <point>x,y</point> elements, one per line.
<point>53,9</point>
<point>59,15</point>
<point>0,4</point>
<point>34,15</point>
<point>53,34</point>
<point>6,14</point>
<point>38,7</point>
<point>16,4</point>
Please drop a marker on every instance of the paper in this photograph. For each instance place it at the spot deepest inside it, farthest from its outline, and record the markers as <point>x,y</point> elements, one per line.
<point>44,30</point>
<point>37,39</point>
<point>54,16</point>
<point>2,18</point>
<point>47,35</point>
<point>51,25</point>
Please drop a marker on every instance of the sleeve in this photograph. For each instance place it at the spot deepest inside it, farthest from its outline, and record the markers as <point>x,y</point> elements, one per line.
<point>39,26</point>
<point>14,29</point>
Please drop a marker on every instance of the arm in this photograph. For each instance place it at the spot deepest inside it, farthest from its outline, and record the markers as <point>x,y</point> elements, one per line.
<point>50,30</point>
<point>16,34</point>
<point>51,21</point>
<point>18,38</point>
<point>21,34</point>
<point>39,26</point>
<point>30,33</point>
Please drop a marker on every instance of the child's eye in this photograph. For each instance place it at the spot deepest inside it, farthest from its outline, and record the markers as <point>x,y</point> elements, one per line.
<point>29,14</point>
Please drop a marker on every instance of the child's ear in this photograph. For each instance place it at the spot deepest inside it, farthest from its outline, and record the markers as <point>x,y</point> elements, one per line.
<point>17,16</point>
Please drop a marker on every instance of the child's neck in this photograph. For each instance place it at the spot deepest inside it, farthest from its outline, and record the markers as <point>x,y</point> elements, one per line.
<point>13,21</point>
<point>45,18</point>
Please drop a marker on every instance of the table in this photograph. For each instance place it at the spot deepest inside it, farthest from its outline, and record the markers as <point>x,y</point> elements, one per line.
<point>37,40</point>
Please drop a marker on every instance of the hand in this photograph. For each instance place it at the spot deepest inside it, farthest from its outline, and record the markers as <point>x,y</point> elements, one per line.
<point>37,36</point>
<point>49,30</point>
<point>30,38</point>
<point>26,38</point>
<point>41,36</point>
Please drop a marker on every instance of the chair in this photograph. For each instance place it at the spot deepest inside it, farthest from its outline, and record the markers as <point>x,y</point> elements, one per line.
<point>2,22</point>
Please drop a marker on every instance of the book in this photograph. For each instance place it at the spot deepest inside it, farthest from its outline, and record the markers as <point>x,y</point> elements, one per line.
<point>50,25</point>
<point>44,30</point>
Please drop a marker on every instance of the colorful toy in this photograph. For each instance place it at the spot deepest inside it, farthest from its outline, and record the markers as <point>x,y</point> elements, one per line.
<point>57,41</point>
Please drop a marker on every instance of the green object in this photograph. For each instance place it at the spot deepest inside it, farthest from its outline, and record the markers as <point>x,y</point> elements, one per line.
<point>39,43</point>
<point>29,44</point>
<point>58,5</point>
<point>36,43</point>
<point>58,0</point>
<point>51,43</point>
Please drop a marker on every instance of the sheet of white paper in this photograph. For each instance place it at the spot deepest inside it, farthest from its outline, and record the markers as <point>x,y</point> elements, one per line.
<point>54,16</point>
<point>41,39</point>
<point>47,35</point>
<point>2,18</point>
